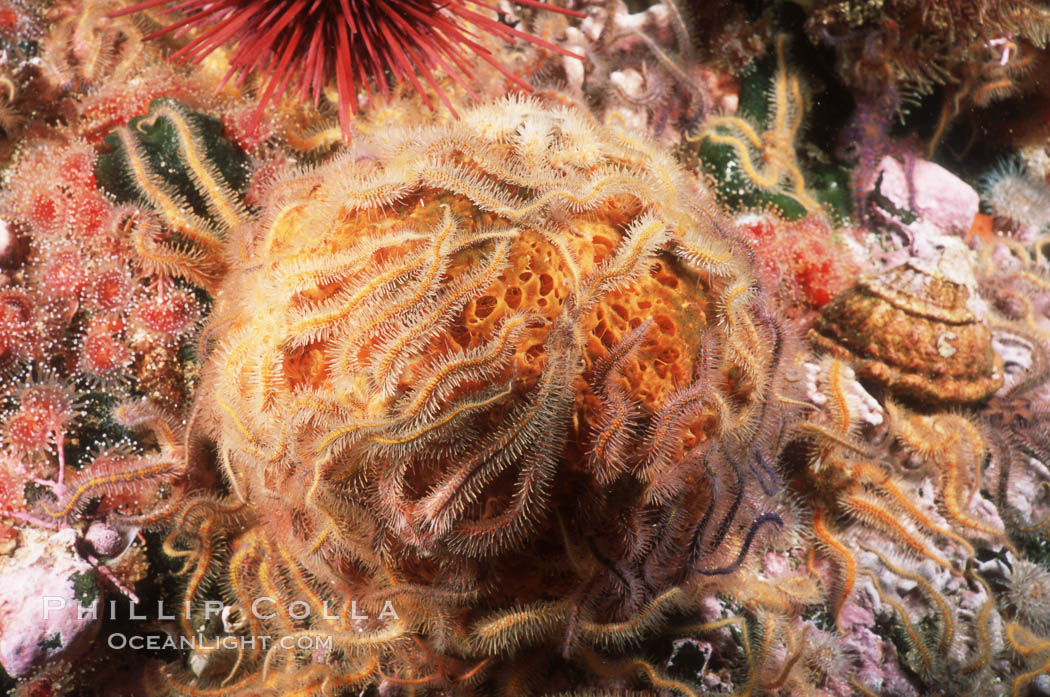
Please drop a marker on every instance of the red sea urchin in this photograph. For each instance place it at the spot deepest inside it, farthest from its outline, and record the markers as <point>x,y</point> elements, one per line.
<point>356,40</point>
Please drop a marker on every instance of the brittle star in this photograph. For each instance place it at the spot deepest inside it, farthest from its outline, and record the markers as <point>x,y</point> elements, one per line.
<point>776,146</point>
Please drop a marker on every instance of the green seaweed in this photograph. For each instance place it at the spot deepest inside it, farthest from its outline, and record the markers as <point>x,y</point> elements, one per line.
<point>85,587</point>
<point>159,144</point>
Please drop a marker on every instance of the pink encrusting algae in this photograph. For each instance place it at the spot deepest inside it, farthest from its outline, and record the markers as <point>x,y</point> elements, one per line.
<point>574,348</point>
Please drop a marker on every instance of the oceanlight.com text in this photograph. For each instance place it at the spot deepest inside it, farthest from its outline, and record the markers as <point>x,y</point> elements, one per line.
<point>157,642</point>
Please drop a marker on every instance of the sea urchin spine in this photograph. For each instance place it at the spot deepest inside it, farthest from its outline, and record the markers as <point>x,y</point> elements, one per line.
<point>356,40</point>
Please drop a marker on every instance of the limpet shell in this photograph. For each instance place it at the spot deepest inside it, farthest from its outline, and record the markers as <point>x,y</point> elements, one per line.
<point>914,331</point>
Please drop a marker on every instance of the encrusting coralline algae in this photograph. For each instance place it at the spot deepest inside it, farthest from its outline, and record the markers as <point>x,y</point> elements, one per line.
<point>594,348</point>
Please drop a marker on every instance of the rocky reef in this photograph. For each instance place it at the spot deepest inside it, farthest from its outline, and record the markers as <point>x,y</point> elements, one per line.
<point>592,348</point>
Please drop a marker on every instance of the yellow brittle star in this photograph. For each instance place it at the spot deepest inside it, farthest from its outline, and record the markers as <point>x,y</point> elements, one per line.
<point>768,159</point>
